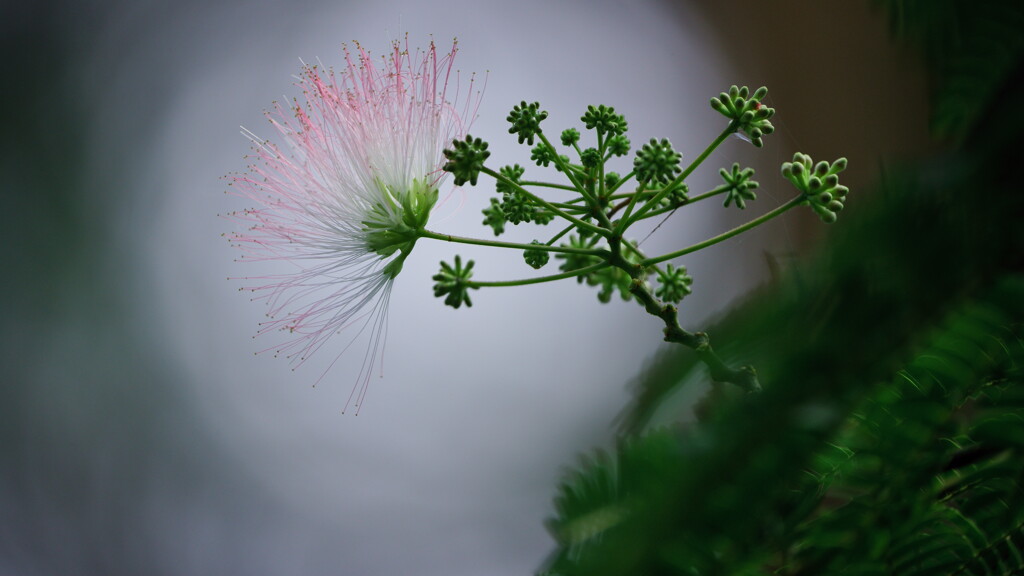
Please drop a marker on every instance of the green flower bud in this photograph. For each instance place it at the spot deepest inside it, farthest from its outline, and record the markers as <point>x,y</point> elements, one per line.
<point>819,185</point>
<point>618,145</point>
<point>525,119</point>
<point>604,119</point>
<point>748,115</point>
<point>513,173</point>
<point>674,284</point>
<point>590,158</point>
<point>536,258</point>
<point>542,155</point>
<point>517,207</point>
<point>452,282</point>
<point>740,186</point>
<point>657,162</point>
<point>495,217</point>
<point>466,159</point>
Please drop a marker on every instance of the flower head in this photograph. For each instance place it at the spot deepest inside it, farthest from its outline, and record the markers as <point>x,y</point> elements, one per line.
<point>345,198</point>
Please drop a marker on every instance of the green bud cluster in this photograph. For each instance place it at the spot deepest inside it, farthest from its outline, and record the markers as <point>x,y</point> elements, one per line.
<point>819,184</point>
<point>590,158</point>
<point>657,161</point>
<point>517,208</point>
<point>618,145</point>
<point>513,173</point>
<point>746,112</point>
<point>514,206</point>
<point>494,217</point>
<point>466,159</point>
<point>544,156</point>
<point>677,197</point>
<point>604,119</point>
<point>525,119</point>
<point>453,283</point>
<point>536,259</point>
<point>740,187</point>
<point>602,205</point>
<point>674,284</point>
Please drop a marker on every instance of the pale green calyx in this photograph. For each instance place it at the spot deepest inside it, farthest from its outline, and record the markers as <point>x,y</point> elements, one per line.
<point>398,221</point>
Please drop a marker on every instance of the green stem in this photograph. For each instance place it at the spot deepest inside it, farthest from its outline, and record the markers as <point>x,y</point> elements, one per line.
<point>564,231</point>
<point>653,202</point>
<point>726,235</point>
<point>539,279</point>
<point>579,223</point>
<point>548,185</point>
<point>716,192</point>
<point>571,207</point>
<point>745,377</point>
<point>621,181</point>
<point>564,168</point>
<point>629,209</point>
<point>567,170</point>
<point>514,245</point>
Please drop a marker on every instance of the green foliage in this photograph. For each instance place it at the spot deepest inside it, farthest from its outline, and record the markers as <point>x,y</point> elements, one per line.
<point>972,49</point>
<point>946,444</point>
<point>889,437</point>
<point>452,282</point>
<point>789,481</point>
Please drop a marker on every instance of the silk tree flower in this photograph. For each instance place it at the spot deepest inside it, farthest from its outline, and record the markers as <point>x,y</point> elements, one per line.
<point>342,202</point>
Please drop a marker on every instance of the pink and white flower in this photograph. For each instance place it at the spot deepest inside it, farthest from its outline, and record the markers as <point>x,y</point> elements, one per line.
<point>342,202</point>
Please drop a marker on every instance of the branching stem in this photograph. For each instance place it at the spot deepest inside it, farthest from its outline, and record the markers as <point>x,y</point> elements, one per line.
<point>726,235</point>
<point>539,279</point>
<point>513,245</point>
<point>553,209</point>
<point>745,377</point>
<point>653,202</point>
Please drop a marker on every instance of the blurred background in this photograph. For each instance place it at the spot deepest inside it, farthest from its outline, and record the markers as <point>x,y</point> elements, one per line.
<point>139,433</point>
